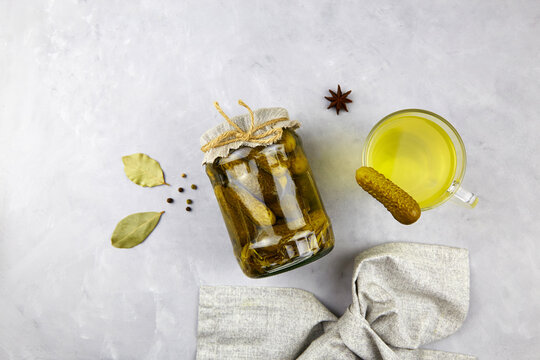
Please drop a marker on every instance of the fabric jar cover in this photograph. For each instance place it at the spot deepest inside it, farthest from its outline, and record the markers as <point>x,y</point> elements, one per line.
<point>404,295</point>
<point>261,117</point>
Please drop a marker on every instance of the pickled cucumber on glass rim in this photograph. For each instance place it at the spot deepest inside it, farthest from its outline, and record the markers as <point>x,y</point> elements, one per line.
<point>400,204</point>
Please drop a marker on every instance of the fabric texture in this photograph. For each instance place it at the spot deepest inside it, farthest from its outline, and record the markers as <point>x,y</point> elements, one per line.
<point>405,295</point>
<point>244,122</point>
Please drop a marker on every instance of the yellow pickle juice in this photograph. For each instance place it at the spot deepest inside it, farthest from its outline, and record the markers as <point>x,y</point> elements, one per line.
<point>423,154</point>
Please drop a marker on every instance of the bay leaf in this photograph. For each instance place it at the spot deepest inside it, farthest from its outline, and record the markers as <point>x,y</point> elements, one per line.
<point>143,170</point>
<point>134,229</point>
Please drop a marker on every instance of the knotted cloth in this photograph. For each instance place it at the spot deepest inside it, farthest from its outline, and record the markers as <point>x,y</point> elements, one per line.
<point>404,295</point>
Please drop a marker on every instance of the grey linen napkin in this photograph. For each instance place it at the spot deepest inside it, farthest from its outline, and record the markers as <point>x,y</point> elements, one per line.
<point>404,295</point>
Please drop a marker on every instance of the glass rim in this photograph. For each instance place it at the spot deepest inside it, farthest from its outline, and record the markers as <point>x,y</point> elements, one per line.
<point>459,173</point>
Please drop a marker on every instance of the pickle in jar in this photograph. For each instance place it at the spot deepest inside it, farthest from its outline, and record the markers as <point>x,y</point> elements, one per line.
<point>257,211</point>
<point>273,159</point>
<point>241,230</point>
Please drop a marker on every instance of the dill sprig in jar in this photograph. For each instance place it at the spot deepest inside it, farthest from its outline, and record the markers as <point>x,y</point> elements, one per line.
<point>266,192</point>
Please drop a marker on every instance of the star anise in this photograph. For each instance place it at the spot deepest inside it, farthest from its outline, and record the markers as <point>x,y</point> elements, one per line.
<point>338,100</point>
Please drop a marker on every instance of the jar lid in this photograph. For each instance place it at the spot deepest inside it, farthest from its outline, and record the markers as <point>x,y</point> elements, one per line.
<point>260,127</point>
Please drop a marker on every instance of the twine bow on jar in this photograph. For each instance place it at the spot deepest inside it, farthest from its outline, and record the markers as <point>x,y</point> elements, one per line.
<point>238,134</point>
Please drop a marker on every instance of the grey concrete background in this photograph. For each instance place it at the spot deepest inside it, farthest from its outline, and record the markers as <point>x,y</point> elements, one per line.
<point>84,82</point>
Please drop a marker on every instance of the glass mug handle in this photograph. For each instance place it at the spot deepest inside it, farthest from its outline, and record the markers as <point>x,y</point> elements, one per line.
<point>465,197</point>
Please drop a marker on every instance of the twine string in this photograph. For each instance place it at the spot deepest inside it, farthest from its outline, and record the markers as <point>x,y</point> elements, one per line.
<point>250,135</point>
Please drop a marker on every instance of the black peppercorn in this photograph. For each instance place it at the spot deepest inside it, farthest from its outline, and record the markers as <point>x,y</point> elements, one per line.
<point>180,189</point>
<point>169,200</point>
<point>188,208</point>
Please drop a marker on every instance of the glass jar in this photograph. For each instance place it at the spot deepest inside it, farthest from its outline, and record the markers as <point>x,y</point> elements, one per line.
<point>271,206</point>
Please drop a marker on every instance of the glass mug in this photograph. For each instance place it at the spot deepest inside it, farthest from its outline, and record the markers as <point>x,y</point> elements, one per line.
<point>422,153</point>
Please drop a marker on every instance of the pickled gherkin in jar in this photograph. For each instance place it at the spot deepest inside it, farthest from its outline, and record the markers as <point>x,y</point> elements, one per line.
<point>271,206</point>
